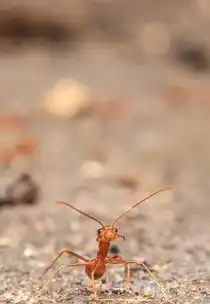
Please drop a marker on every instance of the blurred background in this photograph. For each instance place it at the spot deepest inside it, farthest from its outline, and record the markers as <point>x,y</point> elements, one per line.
<point>101,103</point>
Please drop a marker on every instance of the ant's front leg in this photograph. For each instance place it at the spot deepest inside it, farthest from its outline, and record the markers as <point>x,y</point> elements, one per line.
<point>66,251</point>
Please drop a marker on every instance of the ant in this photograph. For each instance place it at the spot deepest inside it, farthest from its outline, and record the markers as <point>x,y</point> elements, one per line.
<point>96,268</point>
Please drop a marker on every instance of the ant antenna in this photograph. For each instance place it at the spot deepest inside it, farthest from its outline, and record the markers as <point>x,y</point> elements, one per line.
<point>146,198</point>
<point>81,212</point>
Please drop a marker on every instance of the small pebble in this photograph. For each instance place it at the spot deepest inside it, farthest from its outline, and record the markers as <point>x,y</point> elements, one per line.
<point>30,252</point>
<point>22,190</point>
<point>118,290</point>
<point>68,99</point>
<point>92,169</point>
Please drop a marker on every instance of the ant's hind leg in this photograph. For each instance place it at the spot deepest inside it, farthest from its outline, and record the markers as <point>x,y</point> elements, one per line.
<point>66,251</point>
<point>128,276</point>
<point>61,268</point>
<point>118,260</point>
<point>151,275</point>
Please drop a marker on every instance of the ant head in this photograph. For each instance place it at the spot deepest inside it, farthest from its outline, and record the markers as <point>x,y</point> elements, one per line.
<point>108,234</point>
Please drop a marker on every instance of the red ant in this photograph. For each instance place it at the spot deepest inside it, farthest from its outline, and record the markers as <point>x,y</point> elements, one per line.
<point>96,268</point>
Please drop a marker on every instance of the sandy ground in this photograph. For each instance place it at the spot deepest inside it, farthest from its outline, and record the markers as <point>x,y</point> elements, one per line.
<point>154,141</point>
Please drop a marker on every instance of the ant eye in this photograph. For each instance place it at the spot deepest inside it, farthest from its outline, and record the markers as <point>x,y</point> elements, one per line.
<point>99,230</point>
<point>115,230</point>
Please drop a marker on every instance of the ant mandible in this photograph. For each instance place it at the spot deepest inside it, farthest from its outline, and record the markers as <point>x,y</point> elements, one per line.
<point>96,268</point>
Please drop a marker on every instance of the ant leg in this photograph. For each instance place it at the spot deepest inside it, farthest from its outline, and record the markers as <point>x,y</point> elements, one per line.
<point>60,255</point>
<point>118,260</point>
<point>63,267</point>
<point>151,275</point>
<point>94,289</point>
<point>128,276</point>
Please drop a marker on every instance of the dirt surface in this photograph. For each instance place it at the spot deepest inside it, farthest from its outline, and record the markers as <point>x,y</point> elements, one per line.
<point>155,141</point>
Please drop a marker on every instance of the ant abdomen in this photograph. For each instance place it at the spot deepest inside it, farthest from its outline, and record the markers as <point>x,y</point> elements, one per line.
<point>98,273</point>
